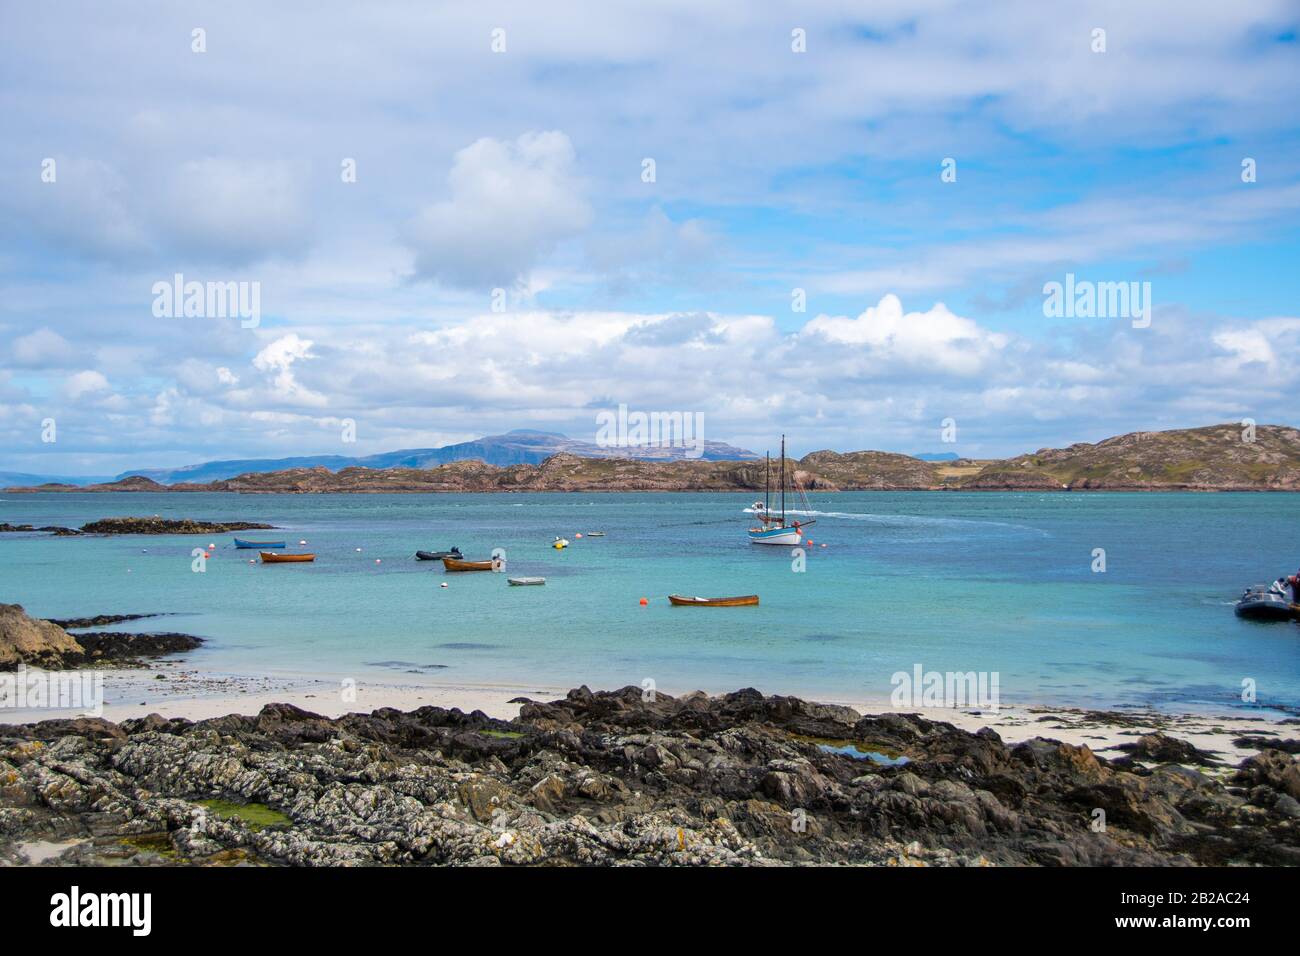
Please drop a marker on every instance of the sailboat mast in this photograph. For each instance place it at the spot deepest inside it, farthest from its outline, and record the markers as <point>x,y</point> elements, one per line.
<point>767,484</point>
<point>783,480</point>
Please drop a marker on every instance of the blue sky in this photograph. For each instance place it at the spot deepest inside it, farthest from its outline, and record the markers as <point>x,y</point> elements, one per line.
<point>522,170</point>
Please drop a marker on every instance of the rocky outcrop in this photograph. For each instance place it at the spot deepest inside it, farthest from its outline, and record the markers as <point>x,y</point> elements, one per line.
<point>612,778</point>
<point>866,471</point>
<point>156,525</point>
<point>49,529</point>
<point>1215,458</point>
<point>121,647</point>
<point>46,644</point>
<point>31,641</point>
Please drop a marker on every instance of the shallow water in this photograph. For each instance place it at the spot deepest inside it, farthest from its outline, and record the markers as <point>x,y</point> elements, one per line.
<point>952,581</point>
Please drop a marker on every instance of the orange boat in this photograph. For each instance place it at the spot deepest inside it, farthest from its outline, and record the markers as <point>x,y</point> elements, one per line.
<point>270,557</point>
<point>451,564</point>
<point>745,600</point>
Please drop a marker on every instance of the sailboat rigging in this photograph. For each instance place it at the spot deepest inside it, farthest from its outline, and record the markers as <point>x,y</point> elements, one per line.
<point>773,529</point>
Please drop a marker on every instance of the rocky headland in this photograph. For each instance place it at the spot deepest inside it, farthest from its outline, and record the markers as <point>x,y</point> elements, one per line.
<point>1215,458</point>
<point>612,778</point>
<point>33,642</point>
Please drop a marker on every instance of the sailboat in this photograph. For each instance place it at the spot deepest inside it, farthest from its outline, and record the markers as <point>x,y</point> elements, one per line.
<point>774,529</point>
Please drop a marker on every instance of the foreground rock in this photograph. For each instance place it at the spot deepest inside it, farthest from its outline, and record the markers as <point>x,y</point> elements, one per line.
<point>31,641</point>
<point>45,644</point>
<point>611,779</point>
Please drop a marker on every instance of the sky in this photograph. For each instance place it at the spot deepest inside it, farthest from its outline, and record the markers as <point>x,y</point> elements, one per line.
<point>833,220</point>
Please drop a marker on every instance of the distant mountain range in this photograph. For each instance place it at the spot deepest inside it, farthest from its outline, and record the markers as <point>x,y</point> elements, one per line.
<point>523,446</point>
<point>1214,458</point>
<point>13,478</point>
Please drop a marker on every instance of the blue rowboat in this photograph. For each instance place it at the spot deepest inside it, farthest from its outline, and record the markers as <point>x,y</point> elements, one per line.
<point>262,545</point>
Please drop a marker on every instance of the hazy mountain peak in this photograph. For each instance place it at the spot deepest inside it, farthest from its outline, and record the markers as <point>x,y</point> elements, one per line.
<point>520,446</point>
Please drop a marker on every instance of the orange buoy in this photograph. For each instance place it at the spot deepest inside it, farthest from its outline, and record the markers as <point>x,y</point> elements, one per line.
<point>644,602</point>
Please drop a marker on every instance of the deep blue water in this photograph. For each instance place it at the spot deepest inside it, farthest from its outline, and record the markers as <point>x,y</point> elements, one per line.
<point>952,581</point>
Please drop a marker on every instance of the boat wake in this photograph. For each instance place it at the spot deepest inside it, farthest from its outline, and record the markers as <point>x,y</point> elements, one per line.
<point>905,521</point>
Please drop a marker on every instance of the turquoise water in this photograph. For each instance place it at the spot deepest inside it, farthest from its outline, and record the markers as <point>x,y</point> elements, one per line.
<point>951,581</point>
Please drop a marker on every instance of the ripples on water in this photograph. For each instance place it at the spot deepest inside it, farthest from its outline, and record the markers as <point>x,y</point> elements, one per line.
<point>953,581</point>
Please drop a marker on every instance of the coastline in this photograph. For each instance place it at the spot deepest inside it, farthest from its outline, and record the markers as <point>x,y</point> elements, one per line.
<point>194,695</point>
<point>610,778</point>
<point>1208,458</point>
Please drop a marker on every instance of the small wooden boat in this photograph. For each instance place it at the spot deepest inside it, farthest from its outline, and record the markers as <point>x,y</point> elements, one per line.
<point>270,557</point>
<point>453,564</point>
<point>744,600</point>
<point>439,555</point>
<point>524,582</point>
<point>259,545</point>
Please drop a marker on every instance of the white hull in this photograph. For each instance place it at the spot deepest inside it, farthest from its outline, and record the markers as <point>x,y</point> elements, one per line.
<point>781,536</point>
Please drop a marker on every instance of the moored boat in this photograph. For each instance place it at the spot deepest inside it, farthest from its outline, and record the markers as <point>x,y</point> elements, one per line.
<point>778,535</point>
<point>744,600</point>
<point>259,545</point>
<point>526,582</point>
<point>270,557</point>
<point>595,534</point>
<point>1275,602</point>
<point>439,555</point>
<point>773,529</point>
<point>454,564</point>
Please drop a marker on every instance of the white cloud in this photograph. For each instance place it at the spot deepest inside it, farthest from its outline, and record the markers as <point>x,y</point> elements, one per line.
<point>85,383</point>
<point>511,204</point>
<point>279,357</point>
<point>41,349</point>
<point>885,378</point>
<point>282,353</point>
<point>935,339</point>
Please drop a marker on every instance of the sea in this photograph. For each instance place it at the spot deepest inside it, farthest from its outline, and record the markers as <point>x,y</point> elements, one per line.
<point>1106,600</point>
